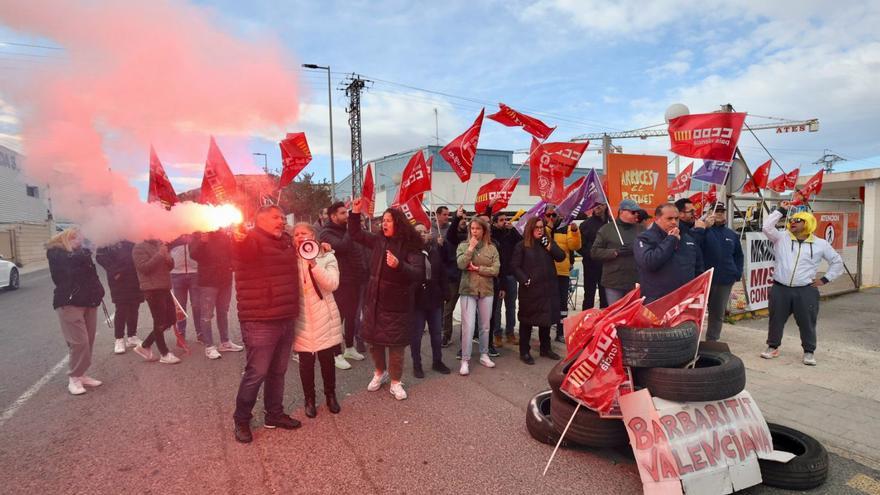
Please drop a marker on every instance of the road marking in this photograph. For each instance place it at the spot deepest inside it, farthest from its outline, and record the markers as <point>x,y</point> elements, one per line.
<point>11,410</point>
<point>864,484</point>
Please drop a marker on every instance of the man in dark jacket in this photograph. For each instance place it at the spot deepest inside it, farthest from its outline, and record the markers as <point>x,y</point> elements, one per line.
<point>429,306</point>
<point>666,258</point>
<point>125,291</point>
<point>505,238</point>
<point>596,218</point>
<point>267,293</point>
<point>722,251</point>
<point>213,253</point>
<point>352,277</point>
<point>613,247</point>
<point>688,223</point>
<point>454,235</point>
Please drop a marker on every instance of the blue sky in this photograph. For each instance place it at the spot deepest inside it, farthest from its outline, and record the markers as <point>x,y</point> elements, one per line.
<point>585,66</point>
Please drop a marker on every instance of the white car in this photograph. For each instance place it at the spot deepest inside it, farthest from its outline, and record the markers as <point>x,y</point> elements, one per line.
<point>9,278</point>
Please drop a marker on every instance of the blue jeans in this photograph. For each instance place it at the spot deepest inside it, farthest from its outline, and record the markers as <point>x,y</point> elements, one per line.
<point>185,287</point>
<point>267,347</point>
<point>210,299</point>
<point>614,294</point>
<point>510,286</point>
<point>434,318</point>
<point>475,308</point>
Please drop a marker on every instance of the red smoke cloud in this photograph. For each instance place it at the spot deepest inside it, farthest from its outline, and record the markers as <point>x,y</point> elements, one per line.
<point>160,72</point>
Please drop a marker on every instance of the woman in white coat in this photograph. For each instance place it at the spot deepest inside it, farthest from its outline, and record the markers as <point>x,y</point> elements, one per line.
<point>318,330</point>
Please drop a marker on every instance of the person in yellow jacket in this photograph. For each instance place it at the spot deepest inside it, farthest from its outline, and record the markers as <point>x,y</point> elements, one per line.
<point>568,238</point>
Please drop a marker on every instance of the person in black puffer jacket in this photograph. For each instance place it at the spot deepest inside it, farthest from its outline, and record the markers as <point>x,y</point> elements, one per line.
<point>125,292</point>
<point>666,258</point>
<point>213,252</point>
<point>267,292</point>
<point>78,292</point>
<point>429,306</point>
<point>396,265</point>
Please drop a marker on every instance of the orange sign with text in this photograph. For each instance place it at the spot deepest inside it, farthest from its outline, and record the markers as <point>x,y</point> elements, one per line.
<point>641,178</point>
<point>829,226</point>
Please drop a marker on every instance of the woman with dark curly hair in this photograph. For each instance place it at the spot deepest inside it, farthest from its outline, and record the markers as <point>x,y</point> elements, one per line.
<point>396,265</point>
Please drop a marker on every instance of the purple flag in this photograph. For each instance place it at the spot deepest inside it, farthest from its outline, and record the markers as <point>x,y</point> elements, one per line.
<point>712,171</point>
<point>535,211</point>
<point>588,195</point>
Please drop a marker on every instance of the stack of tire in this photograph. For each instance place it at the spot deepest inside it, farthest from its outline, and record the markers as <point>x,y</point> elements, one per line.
<point>659,359</point>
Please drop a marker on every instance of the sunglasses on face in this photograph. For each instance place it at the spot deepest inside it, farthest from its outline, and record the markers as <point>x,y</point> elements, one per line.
<point>796,220</point>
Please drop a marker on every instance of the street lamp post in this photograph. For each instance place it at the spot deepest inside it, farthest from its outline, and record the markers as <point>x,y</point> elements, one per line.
<point>330,106</point>
<point>265,162</point>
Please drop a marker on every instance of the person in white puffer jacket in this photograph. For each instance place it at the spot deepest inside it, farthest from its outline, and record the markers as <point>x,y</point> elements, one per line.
<point>318,331</point>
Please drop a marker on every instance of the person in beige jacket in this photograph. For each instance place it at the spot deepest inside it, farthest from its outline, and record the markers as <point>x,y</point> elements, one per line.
<point>318,330</point>
<point>153,265</point>
<point>479,262</point>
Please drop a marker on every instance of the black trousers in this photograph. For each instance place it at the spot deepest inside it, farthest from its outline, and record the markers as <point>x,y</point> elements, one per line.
<point>164,314</point>
<point>592,283</point>
<point>126,317</point>
<point>525,338</point>
<point>803,303</point>
<point>328,371</point>
<point>562,284</point>
<point>347,298</point>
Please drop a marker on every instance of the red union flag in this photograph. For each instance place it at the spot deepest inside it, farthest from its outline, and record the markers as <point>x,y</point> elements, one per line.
<point>543,181</point>
<point>759,178</point>
<point>295,155</point>
<point>415,179</point>
<point>813,186</point>
<point>160,189</point>
<point>218,183</point>
<point>711,196</point>
<point>415,213</point>
<point>682,181</point>
<point>687,303</point>
<point>710,136</point>
<point>698,200</point>
<point>499,190</point>
<point>561,158</point>
<point>460,153</point>
<point>511,118</point>
<point>784,182</point>
<point>368,193</point>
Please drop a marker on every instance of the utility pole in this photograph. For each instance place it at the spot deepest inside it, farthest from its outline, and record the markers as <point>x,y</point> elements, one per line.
<point>828,160</point>
<point>353,92</point>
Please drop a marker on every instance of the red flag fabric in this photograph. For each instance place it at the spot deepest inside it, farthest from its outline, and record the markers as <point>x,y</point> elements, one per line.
<point>710,136</point>
<point>295,155</point>
<point>368,192</point>
<point>759,179</point>
<point>543,181</point>
<point>415,179</point>
<point>583,332</point>
<point>511,118</point>
<point>682,181</point>
<point>784,182</point>
<point>160,189</point>
<point>687,303</point>
<point>813,186</point>
<point>460,153</point>
<point>698,200</point>
<point>562,157</point>
<point>711,196</point>
<point>415,213</point>
<point>218,183</point>
<point>499,190</point>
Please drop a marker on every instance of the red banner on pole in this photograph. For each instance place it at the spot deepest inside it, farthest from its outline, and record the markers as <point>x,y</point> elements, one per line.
<point>218,183</point>
<point>368,193</point>
<point>415,179</point>
<point>415,213</point>
<point>460,153</point>
<point>511,118</point>
<point>499,190</point>
<point>160,188</point>
<point>784,182</point>
<point>759,178</point>
<point>682,181</point>
<point>710,136</point>
<point>813,186</point>
<point>295,155</point>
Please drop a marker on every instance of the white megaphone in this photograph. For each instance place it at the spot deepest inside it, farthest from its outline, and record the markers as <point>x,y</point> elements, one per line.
<point>309,250</point>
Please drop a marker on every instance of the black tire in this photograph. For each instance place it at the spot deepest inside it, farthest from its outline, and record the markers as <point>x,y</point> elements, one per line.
<point>718,375</point>
<point>659,347</point>
<point>14,279</point>
<point>587,429</point>
<point>558,372</point>
<point>714,346</point>
<point>540,424</point>
<point>808,470</point>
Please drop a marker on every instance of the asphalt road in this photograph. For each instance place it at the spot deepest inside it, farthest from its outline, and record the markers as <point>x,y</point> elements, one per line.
<point>154,428</point>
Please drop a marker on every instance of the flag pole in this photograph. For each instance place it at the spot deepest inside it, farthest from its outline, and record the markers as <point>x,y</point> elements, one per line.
<point>559,442</point>
<point>611,212</point>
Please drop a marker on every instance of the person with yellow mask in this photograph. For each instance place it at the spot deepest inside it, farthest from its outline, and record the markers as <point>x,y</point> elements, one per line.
<point>795,289</point>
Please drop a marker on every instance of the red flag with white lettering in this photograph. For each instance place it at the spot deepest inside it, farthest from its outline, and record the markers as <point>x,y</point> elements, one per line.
<point>682,181</point>
<point>368,192</point>
<point>759,178</point>
<point>218,183</point>
<point>415,213</point>
<point>499,190</point>
<point>460,153</point>
<point>710,136</point>
<point>813,186</point>
<point>415,179</point>
<point>511,118</point>
<point>563,157</point>
<point>295,155</point>
<point>687,303</point>
<point>160,188</point>
<point>784,182</point>
<point>543,181</point>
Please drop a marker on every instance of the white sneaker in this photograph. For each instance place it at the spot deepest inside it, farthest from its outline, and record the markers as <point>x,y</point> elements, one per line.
<point>169,358</point>
<point>147,354</point>
<point>397,390</point>
<point>465,368</point>
<point>809,359</point>
<point>377,381</point>
<point>75,387</point>
<point>485,361</point>
<point>341,363</point>
<point>211,352</point>
<point>119,346</point>
<point>88,381</point>
<point>352,353</point>
<point>133,341</point>
<point>229,346</point>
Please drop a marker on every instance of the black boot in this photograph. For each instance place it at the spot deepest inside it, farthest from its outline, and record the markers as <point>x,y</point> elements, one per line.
<point>243,433</point>
<point>441,368</point>
<point>332,404</point>
<point>527,358</point>
<point>418,372</point>
<point>311,410</point>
